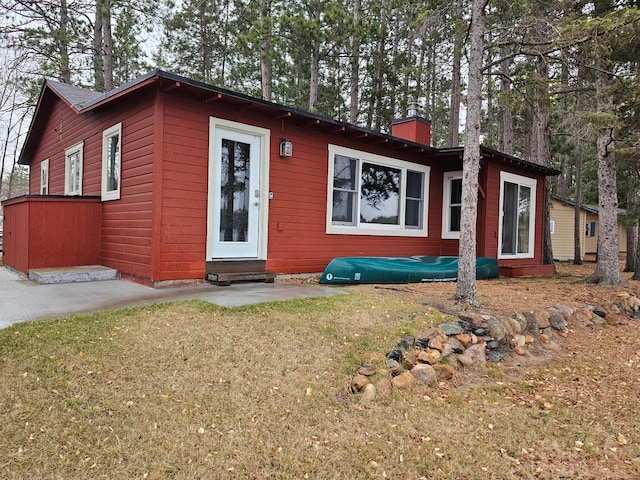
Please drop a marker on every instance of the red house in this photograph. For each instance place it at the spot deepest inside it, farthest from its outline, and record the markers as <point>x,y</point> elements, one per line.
<point>170,180</point>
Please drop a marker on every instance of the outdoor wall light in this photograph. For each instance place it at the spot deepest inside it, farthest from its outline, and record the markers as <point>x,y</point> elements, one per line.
<point>286,148</point>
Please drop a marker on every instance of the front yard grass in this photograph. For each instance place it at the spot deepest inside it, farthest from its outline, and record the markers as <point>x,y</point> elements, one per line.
<point>191,390</point>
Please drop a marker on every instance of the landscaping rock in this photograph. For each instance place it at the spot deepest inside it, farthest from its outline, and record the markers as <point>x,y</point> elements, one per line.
<point>409,360</point>
<point>430,356</point>
<point>395,355</point>
<point>522,320</point>
<point>495,356</point>
<point>436,343</point>
<point>446,351</point>
<point>368,393</point>
<point>425,374</point>
<point>464,339</point>
<point>455,345</point>
<point>451,328</point>
<point>565,311</point>
<point>385,388</point>
<point>476,340</point>
<point>515,326</point>
<point>367,369</point>
<point>495,328</point>
<point>394,367</point>
<point>557,321</point>
<point>405,343</point>
<point>358,382</point>
<point>543,319</point>
<point>633,302</point>
<point>465,360</point>
<point>477,353</point>
<point>405,381</point>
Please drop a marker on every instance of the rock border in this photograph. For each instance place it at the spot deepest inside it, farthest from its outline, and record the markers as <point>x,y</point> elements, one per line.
<point>438,354</point>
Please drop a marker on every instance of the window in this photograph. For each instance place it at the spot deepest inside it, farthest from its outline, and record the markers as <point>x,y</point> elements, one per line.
<point>111,171</point>
<point>452,204</point>
<point>518,206</point>
<point>590,230</point>
<point>375,195</point>
<point>44,177</point>
<point>73,169</point>
<point>552,226</point>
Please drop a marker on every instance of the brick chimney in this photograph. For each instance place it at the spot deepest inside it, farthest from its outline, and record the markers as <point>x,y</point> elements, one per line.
<point>412,128</point>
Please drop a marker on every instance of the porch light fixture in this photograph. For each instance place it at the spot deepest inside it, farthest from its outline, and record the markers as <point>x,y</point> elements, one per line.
<point>286,148</point>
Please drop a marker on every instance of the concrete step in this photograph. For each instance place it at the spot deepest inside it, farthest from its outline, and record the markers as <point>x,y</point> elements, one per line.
<point>88,273</point>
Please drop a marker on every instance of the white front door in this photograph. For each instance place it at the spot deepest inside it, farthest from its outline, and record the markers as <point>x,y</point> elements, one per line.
<point>235,194</point>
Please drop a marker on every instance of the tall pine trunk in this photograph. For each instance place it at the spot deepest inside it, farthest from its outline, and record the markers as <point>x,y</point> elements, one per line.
<point>103,47</point>
<point>454,106</point>
<point>608,268</point>
<point>577,228</point>
<point>354,86</point>
<point>466,286</point>
<point>63,41</point>
<point>507,116</point>
<point>630,231</point>
<point>266,74</point>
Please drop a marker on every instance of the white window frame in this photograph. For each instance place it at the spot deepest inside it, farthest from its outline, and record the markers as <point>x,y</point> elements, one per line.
<point>44,177</point>
<point>506,177</point>
<point>106,135</point>
<point>446,205</point>
<point>378,229</point>
<point>69,187</point>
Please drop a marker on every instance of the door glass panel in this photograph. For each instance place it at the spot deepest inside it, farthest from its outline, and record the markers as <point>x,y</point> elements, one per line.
<point>509,218</point>
<point>524,215</point>
<point>234,191</point>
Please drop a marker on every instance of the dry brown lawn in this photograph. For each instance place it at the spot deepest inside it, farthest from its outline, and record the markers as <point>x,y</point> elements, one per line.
<point>191,390</point>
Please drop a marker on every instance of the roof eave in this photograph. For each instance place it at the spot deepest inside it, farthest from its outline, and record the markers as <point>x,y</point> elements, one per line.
<point>26,146</point>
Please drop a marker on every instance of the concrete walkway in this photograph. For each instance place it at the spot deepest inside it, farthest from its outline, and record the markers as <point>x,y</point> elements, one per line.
<point>22,300</point>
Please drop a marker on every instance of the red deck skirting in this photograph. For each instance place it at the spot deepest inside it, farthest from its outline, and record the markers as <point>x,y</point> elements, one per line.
<point>525,270</point>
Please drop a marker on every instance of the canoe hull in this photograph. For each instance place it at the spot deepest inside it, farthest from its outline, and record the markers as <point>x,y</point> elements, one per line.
<point>417,269</point>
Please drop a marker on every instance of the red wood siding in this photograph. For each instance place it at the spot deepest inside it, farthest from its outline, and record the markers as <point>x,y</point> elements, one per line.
<point>157,231</point>
<point>297,241</point>
<point>126,223</point>
<point>184,190</point>
<point>42,232</point>
<point>492,215</point>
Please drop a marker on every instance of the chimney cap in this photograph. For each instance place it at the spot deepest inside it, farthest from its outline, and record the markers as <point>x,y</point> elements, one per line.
<point>397,121</point>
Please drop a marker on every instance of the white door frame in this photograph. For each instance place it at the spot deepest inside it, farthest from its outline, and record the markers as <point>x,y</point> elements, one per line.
<point>263,138</point>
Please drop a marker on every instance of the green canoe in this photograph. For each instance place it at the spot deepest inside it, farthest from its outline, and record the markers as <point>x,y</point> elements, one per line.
<point>402,269</point>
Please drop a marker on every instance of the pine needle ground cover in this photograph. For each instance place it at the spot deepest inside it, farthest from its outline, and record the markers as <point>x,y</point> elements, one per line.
<point>191,390</point>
